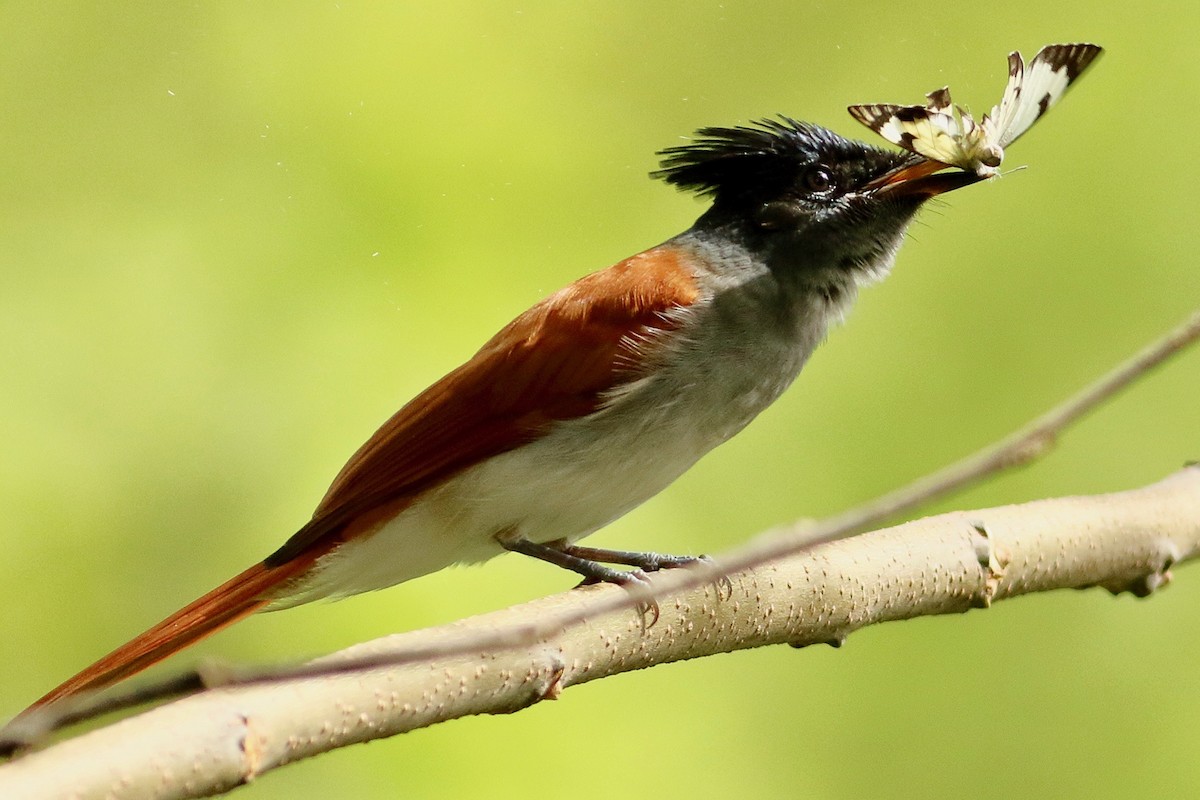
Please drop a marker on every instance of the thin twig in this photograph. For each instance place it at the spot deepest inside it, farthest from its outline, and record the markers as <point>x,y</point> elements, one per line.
<point>1021,447</point>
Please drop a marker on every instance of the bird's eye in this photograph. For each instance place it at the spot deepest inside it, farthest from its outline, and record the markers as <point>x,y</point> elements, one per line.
<point>818,180</point>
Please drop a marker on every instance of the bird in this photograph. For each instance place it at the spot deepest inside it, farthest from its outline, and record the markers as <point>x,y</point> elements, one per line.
<point>603,393</point>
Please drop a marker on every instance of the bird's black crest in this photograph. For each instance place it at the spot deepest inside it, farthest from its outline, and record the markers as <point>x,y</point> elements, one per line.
<point>763,156</point>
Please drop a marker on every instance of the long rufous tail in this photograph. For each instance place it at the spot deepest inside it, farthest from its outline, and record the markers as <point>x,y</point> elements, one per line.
<point>231,601</point>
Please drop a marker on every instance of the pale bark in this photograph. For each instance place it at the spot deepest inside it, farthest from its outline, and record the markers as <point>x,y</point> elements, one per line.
<point>211,742</point>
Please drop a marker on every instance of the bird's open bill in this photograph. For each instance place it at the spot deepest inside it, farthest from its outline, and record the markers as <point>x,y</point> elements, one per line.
<point>924,178</point>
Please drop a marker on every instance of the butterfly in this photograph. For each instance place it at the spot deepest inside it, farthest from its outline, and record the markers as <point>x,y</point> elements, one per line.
<point>947,133</point>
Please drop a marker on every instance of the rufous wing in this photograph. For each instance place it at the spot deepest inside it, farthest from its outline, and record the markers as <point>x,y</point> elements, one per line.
<point>556,361</point>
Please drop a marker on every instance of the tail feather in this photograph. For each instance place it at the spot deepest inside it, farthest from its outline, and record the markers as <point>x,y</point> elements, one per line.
<point>231,601</point>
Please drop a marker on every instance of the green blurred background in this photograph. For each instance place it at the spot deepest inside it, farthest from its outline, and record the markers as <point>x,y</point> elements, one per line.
<point>235,237</point>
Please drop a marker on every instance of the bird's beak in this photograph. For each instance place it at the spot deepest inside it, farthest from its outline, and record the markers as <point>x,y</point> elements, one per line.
<point>923,179</point>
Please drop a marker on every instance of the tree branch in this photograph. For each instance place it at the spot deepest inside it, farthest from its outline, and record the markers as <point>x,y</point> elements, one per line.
<point>212,742</point>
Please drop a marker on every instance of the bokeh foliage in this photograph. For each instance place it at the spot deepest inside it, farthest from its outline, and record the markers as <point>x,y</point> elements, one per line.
<point>233,237</point>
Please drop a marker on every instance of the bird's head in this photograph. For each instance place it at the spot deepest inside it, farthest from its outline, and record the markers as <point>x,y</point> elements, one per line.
<point>813,205</point>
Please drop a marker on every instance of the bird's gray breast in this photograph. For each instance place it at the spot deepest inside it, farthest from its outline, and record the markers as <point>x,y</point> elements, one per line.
<point>740,348</point>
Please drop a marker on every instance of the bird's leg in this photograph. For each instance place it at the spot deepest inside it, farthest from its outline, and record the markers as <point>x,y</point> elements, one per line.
<point>566,556</point>
<point>650,562</point>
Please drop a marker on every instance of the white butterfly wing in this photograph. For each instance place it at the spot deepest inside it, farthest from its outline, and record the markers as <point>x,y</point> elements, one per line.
<point>1033,89</point>
<point>1003,115</point>
<point>924,130</point>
